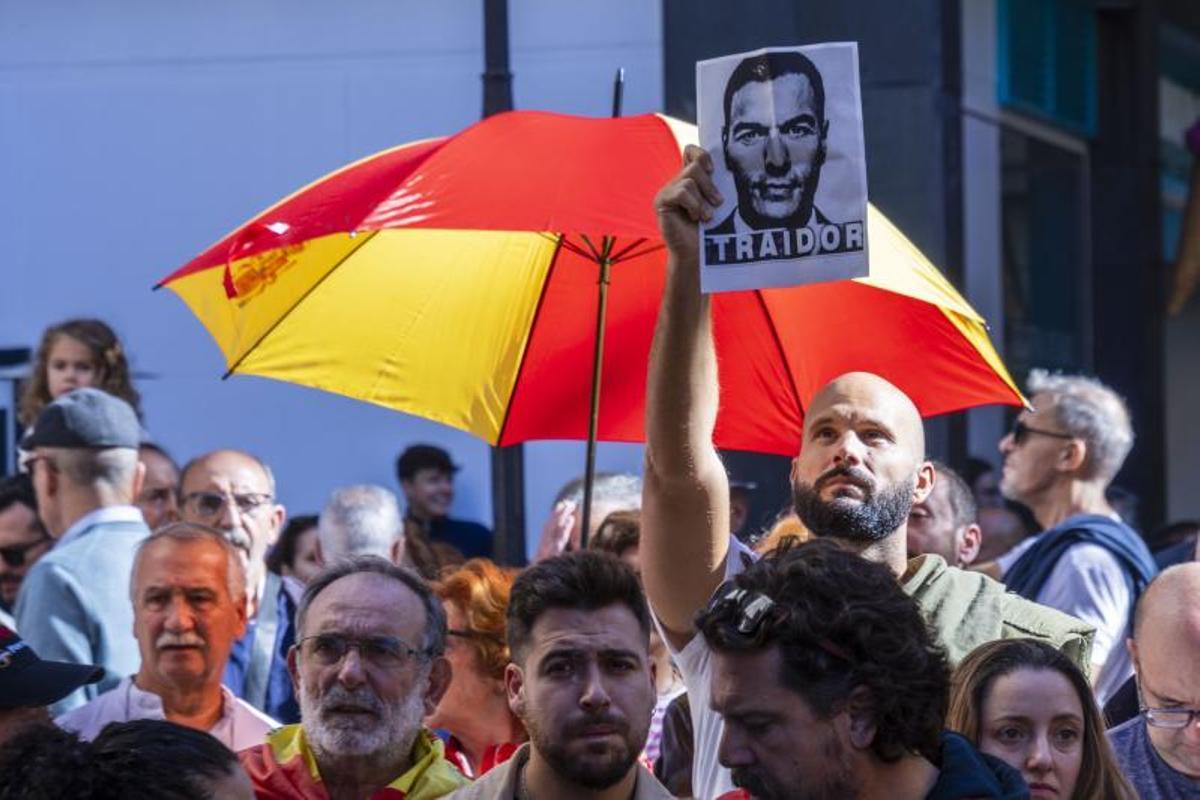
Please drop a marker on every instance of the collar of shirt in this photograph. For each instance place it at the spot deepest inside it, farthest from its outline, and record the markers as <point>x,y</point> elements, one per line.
<point>141,704</point>
<point>99,517</point>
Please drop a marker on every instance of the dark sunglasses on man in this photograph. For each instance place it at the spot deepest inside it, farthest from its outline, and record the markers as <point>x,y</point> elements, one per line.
<point>15,555</point>
<point>1020,432</point>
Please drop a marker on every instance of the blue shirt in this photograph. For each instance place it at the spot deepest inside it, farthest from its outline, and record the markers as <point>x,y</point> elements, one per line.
<point>74,603</point>
<point>281,701</point>
<point>470,538</point>
<point>1145,768</point>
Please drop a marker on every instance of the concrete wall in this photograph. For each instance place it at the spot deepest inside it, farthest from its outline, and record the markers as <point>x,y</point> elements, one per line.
<point>135,133</point>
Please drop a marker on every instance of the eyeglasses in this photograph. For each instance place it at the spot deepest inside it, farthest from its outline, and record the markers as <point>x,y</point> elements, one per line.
<point>1171,718</point>
<point>16,554</point>
<point>27,465</point>
<point>1020,432</point>
<point>384,652</point>
<point>209,504</point>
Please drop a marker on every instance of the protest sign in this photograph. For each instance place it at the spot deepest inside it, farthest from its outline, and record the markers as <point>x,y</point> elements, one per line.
<point>784,128</point>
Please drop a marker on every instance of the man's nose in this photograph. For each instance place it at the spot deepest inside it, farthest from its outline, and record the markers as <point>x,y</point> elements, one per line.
<point>849,451</point>
<point>776,153</point>
<point>732,751</point>
<point>352,671</point>
<point>231,516</point>
<point>1006,443</point>
<point>595,693</point>
<point>179,615</point>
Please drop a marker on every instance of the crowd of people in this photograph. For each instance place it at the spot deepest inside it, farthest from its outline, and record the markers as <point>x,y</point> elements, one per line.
<point>906,631</point>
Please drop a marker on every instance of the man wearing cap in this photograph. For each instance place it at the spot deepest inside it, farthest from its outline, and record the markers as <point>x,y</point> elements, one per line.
<point>426,475</point>
<point>74,604</point>
<point>28,684</point>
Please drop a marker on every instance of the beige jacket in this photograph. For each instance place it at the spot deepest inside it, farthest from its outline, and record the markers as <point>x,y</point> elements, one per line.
<point>500,782</point>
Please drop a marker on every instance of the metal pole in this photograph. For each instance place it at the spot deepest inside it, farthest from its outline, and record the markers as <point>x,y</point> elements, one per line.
<point>589,474</point>
<point>508,463</point>
<point>589,470</point>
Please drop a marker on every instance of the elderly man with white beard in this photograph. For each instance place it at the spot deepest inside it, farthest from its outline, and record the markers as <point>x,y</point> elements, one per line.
<point>367,666</point>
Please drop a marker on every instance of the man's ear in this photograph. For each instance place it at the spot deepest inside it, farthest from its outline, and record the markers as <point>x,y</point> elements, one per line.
<point>318,553</point>
<point>278,517</point>
<point>972,540</point>
<point>440,674</point>
<point>926,478</point>
<point>1073,456</point>
<point>1131,646</point>
<point>514,688</point>
<point>398,551</point>
<point>139,480</point>
<point>294,668</point>
<point>860,708</point>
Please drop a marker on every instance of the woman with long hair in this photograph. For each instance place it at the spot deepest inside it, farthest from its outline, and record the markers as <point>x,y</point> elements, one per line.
<point>1026,703</point>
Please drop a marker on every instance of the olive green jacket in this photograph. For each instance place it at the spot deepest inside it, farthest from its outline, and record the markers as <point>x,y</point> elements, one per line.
<point>967,609</point>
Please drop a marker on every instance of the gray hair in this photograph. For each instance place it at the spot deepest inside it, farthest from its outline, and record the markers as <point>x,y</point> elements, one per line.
<point>435,615</point>
<point>1093,412</point>
<point>619,490</point>
<point>359,521</point>
<point>235,570</point>
<point>112,467</point>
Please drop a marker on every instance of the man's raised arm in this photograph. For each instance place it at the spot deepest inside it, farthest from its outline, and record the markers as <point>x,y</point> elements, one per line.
<point>685,502</point>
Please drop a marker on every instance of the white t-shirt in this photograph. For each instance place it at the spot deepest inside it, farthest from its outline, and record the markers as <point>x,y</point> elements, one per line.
<point>1089,583</point>
<point>709,778</point>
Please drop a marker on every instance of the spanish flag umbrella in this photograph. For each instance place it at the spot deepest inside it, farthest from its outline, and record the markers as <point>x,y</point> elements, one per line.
<point>485,279</point>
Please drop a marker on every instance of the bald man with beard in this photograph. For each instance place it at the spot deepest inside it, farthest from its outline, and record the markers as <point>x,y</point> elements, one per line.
<point>860,468</point>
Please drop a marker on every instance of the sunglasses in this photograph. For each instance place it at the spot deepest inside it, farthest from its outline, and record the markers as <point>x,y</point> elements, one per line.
<point>15,555</point>
<point>1020,432</point>
<point>751,617</point>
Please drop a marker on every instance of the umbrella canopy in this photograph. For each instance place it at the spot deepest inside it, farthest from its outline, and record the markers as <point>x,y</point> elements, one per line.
<point>456,279</point>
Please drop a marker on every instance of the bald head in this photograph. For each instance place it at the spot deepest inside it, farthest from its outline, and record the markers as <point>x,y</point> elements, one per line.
<point>1170,606</point>
<point>867,394</point>
<point>862,465</point>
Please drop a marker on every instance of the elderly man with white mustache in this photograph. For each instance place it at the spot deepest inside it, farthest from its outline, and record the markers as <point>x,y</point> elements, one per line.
<point>189,605</point>
<point>368,667</point>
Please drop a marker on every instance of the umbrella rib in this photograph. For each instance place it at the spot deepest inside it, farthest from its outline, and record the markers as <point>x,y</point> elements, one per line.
<point>574,248</point>
<point>614,258</point>
<point>791,381</point>
<point>366,237</point>
<point>626,256</point>
<point>537,313</point>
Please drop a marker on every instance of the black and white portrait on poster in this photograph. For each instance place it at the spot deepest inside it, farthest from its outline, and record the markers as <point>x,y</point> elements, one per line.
<point>784,128</point>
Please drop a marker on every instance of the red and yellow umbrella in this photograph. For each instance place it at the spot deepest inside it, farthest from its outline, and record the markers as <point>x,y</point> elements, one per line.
<point>456,279</point>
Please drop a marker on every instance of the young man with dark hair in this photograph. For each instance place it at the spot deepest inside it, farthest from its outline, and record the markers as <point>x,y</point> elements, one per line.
<point>23,540</point>
<point>426,476</point>
<point>830,685</point>
<point>581,681</point>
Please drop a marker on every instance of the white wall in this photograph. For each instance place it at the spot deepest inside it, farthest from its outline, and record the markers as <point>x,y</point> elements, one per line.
<point>133,134</point>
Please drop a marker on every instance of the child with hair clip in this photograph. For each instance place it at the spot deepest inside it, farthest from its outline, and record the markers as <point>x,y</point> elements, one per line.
<point>74,354</point>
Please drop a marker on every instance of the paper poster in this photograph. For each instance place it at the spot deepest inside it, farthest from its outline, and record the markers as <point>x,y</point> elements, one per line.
<point>784,128</point>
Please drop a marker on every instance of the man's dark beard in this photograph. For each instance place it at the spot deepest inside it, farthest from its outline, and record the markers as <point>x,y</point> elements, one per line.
<point>591,775</point>
<point>871,520</point>
<point>837,782</point>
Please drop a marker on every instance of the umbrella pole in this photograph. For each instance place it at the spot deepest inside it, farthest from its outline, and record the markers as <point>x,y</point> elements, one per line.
<point>589,474</point>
